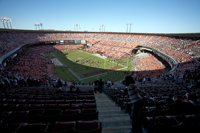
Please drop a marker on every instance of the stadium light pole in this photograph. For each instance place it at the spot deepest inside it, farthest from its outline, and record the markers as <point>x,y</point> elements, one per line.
<point>127,28</point>
<point>35,26</point>
<point>2,19</point>
<point>79,27</point>
<point>7,22</point>
<point>10,22</point>
<point>103,28</point>
<point>38,26</point>
<point>130,28</point>
<point>7,19</point>
<point>41,26</point>
<point>76,27</point>
<point>100,28</point>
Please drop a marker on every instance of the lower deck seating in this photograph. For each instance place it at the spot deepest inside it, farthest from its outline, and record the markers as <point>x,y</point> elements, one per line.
<point>43,111</point>
<point>166,107</point>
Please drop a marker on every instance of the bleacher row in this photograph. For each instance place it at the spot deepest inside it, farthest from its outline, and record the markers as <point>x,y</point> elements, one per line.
<point>33,57</point>
<point>111,49</point>
<point>167,107</point>
<point>184,49</point>
<point>68,47</point>
<point>147,62</point>
<point>12,39</point>
<point>43,110</point>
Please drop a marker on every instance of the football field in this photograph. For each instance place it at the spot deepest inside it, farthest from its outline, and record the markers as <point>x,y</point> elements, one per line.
<point>81,66</point>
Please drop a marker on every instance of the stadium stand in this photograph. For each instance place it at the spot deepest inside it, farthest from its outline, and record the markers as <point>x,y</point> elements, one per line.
<point>170,105</point>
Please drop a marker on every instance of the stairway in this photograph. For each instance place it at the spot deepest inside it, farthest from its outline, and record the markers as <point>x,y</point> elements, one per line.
<point>114,120</point>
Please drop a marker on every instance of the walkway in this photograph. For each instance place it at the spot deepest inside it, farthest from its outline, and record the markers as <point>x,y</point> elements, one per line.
<point>114,120</point>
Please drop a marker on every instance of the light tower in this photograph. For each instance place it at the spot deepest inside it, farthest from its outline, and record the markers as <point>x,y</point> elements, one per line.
<point>10,23</point>
<point>41,24</point>
<point>2,19</point>
<point>38,26</point>
<point>6,22</point>
<point>128,28</point>
<point>102,28</point>
<point>35,26</point>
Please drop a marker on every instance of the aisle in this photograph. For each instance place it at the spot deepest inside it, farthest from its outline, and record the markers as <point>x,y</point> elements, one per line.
<point>114,120</point>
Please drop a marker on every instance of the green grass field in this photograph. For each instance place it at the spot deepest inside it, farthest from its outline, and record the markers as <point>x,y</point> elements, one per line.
<point>82,66</point>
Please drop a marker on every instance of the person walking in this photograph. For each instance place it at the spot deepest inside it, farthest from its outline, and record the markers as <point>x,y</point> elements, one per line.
<point>136,107</point>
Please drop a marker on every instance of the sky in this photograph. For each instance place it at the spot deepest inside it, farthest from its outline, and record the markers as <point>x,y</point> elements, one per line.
<point>139,16</point>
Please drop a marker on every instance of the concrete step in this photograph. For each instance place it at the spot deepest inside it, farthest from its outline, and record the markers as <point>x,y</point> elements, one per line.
<point>111,112</point>
<point>114,120</point>
<point>105,104</point>
<point>109,108</point>
<point>115,123</point>
<point>122,129</point>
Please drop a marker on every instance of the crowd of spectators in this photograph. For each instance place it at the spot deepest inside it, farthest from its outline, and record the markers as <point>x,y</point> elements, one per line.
<point>30,67</point>
<point>67,47</point>
<point>146,62</point>
<point>179,48</point>
<point>169,106</point>
<point>184,50</point>
<point>166,106</point>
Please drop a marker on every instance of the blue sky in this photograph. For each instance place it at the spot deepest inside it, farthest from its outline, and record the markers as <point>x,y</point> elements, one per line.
<point>146,16</point>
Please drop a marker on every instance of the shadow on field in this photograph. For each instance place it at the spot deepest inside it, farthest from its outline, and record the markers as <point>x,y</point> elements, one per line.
<point>78,72</point>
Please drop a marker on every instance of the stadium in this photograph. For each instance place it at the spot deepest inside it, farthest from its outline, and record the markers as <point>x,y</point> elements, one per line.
<point>56,81</point>
<point>154,56</point>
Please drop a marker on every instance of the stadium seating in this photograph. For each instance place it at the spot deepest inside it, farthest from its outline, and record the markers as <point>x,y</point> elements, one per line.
<point>46,110</point>
<point>25,106</point>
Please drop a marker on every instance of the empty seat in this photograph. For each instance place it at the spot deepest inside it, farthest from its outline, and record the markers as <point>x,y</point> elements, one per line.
<point>89,114</point>
<point>64,106</point>
<point>69,115</point>
<point>35,115</point>
<point>51,115</point>
<point>164,124</point>
<point>61,127</point>
<point>9,128</point>
<point>89,105</point>
<point>93,126</point>
<point>48,105</point>
<point>37,106</point>
<point>32,128</point>
<point>17,116</point>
